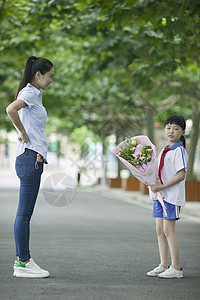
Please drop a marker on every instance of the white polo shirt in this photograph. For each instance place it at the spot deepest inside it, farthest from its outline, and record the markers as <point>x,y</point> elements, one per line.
<point>174,161</point>
<point>33,117</point>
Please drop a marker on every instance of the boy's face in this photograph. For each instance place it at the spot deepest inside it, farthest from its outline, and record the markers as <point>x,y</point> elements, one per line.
<point>173,133</point>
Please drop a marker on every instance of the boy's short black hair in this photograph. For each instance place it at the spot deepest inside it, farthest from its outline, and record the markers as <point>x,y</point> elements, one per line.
<point>178,120</point>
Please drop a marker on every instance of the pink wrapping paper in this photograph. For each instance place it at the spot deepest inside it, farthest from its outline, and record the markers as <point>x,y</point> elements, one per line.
<point>147,174</point>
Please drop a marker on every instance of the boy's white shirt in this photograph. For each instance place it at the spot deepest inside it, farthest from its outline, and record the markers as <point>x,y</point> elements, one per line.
<point>174,161</point>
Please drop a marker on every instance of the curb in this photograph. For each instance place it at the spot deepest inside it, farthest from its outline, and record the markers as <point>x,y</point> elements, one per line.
<point>191,210</point>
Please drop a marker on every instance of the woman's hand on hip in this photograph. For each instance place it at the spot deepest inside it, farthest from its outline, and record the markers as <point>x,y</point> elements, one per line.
<point>23,138</point>
<point>12,111</point>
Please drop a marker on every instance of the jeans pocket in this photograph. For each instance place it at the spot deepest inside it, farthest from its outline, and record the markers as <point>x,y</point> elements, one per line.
<point>38,169</point>
<point>21,155</point>
<point>20,167</point>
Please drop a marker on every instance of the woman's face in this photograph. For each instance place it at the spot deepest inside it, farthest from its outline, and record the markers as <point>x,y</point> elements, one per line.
<point>43,81</point>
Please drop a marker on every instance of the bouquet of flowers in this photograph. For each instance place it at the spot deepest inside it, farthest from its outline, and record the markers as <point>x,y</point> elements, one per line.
<point>138,154</point>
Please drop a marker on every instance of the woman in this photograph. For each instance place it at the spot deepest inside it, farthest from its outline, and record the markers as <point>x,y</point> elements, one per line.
<point>29,117</point>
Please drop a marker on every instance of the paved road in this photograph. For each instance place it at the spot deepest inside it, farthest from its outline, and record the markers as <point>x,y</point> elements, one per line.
<point>95,248</point>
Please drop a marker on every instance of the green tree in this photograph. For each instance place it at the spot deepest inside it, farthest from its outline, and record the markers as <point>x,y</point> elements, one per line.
<point>115,61</point>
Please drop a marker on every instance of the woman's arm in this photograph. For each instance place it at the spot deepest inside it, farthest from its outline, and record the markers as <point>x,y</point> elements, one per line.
<point>12,111</point>
<point>176,179</point>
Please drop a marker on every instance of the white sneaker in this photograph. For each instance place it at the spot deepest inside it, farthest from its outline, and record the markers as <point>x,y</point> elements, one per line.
<point>31,270</point>
<point>156,271</point>
<point>172,273</point>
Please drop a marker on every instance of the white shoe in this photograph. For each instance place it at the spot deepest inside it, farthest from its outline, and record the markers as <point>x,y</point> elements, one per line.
<point>31,270</point>
<point>156,271</point>
<point>172,273</point>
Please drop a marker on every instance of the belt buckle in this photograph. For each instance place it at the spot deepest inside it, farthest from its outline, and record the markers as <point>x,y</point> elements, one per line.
<point>39,158</point>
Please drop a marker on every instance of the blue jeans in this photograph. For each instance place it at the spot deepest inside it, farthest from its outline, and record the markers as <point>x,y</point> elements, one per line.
<point>29,173</point>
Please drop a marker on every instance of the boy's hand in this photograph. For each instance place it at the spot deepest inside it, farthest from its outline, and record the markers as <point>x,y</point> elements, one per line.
<point>156,187</point>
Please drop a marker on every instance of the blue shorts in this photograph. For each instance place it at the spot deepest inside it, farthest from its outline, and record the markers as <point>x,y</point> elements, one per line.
<point>173,211</point>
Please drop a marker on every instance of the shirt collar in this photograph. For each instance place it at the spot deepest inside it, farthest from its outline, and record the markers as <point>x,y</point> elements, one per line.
<point>38,92</point>
<point>173,147</point>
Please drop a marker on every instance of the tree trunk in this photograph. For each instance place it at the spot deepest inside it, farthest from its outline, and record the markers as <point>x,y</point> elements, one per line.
<point>104,158</point>
<point>118,161</point>
<point>149,124</point>
<point>150,110</point>
<point>193,140</point>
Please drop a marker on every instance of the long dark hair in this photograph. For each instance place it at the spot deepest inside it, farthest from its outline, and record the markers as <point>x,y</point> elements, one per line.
<point>33,65</point>
<point>177,120</point>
